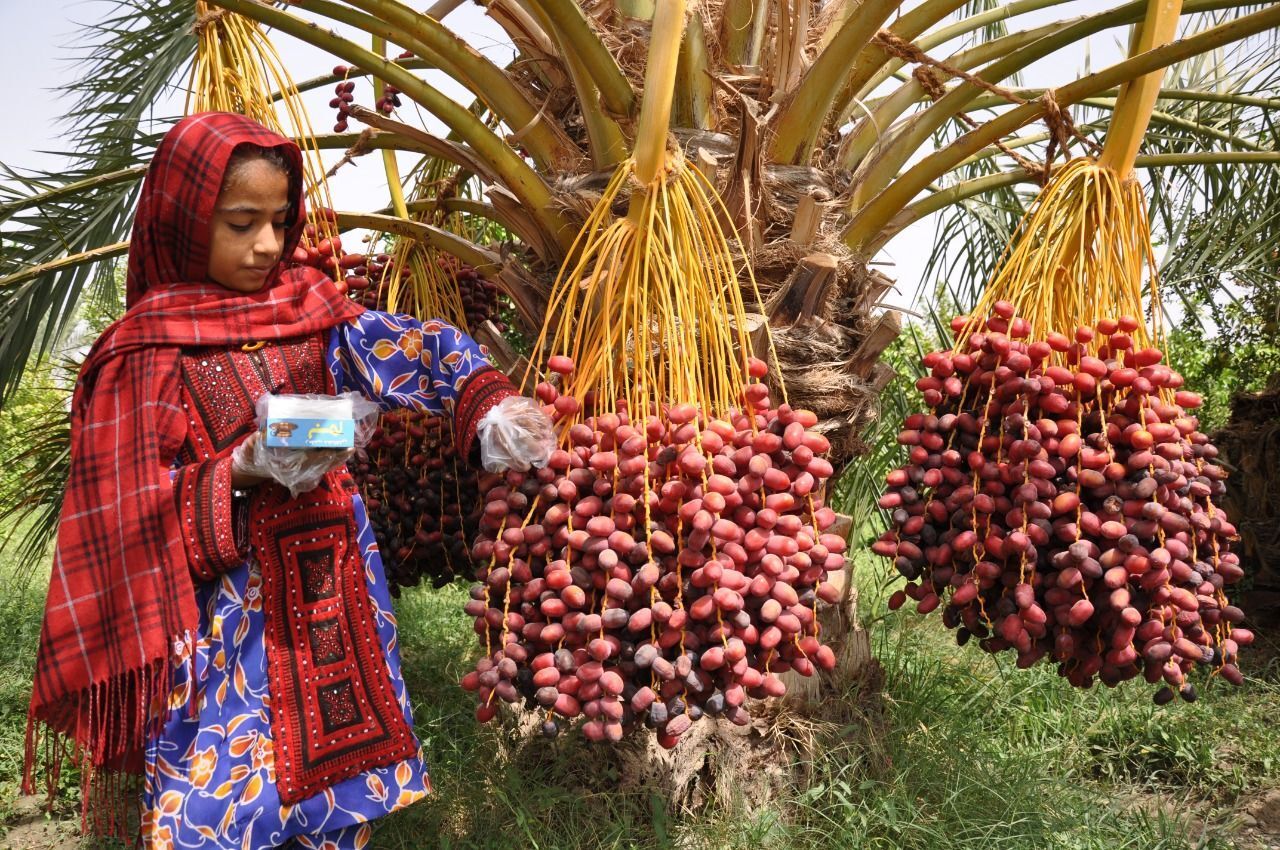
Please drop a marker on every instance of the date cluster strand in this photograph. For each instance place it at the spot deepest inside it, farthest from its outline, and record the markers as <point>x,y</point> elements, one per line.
<point>422,499</point>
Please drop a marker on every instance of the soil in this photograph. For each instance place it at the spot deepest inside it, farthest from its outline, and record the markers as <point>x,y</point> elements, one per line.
<point>1252,824</point>
<point>1260,821</point>
<point>28,827</point>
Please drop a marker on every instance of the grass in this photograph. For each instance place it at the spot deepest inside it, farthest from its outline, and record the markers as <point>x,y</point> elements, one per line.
<point>956,750</point>
<point>21,605</point>
<point>984,755</point>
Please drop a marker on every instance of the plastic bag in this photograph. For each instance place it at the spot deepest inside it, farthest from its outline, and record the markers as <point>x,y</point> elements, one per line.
<point>515,434</point>
<point>300,469</point>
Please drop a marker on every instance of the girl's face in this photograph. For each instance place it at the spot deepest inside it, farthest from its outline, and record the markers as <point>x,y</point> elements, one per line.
<point>247,233</point>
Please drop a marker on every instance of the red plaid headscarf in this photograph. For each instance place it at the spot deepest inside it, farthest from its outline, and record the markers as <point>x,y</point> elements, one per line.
<point>120,593</point>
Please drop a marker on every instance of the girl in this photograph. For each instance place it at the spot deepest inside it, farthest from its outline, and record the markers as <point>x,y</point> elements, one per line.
<point>232,645</point>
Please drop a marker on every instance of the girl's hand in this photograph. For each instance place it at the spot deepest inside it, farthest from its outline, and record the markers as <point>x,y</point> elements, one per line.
<point>253,462</point>
<point>516,434</point>
<point>241,477</point>
<point>330,459</point>
<point>302,469</point>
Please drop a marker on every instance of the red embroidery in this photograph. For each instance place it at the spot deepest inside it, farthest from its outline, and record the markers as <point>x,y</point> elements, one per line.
<point>334,709</point>
<point>317,575</point>
<point>481,391</point>
<point>338,707</point>
<point>326,641</point>
<point>334,714</point>
<point>220,387</point>
<point>203,494</point>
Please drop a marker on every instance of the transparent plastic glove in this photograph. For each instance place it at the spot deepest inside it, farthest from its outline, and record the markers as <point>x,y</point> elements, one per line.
<point>515,434</point>
<point>299,469</point>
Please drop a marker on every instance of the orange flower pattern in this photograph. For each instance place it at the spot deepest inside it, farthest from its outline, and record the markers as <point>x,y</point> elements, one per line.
<point>402,362</point>
<point>210,772</point>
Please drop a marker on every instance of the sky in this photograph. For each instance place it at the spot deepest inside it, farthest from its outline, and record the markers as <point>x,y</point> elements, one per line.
<point>36,63</point>
<point>44,59</point>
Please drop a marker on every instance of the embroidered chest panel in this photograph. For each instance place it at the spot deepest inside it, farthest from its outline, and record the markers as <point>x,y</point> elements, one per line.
<point>221,385</point>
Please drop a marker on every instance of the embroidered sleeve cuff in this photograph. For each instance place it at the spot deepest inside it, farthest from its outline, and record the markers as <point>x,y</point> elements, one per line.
<point>479,394</point>
<point>203,491</point>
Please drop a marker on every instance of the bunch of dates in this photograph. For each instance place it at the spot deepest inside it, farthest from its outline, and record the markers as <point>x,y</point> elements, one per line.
<point>321,248</point>
<point>662,568</point>
<point>1060,502</point>
<point>422,499</point>
<point>479,296</point>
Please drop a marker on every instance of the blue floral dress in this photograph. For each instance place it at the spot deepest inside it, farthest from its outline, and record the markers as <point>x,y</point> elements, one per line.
<point>210,779</point>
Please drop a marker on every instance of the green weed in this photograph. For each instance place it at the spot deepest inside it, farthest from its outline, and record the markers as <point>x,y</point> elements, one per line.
<point>956,751</point>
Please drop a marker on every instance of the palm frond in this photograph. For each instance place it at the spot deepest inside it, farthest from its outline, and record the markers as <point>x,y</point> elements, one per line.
<point>35,478</point>
<point>129,64</point>
<point>1224,247</point>
<point>48,225</point>
<point>129,61</point>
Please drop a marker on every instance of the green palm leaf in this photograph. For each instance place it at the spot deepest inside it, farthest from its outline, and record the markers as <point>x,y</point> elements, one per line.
<point>129,62</point>
<point>36,478</point>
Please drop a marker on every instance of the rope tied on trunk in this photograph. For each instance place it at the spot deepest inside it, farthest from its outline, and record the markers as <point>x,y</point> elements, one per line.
<point>929,73</point>
<point>361,147</point>
<point>206,20</point>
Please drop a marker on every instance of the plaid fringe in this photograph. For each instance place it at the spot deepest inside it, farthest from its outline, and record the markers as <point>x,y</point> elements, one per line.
<point>114,719</point>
